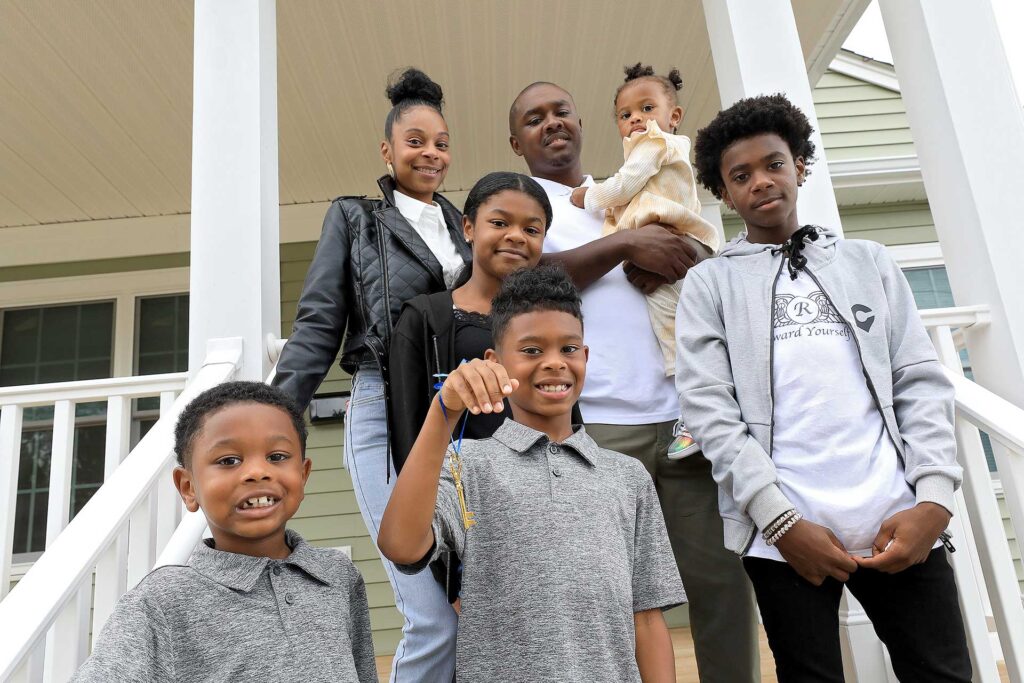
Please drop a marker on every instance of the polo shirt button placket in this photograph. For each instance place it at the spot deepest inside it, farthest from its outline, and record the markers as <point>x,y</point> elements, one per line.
<point>277,570</point>
<point>289,598</point>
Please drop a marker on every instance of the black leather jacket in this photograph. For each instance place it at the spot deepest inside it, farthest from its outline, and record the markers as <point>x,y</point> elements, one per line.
<point>368,262</point>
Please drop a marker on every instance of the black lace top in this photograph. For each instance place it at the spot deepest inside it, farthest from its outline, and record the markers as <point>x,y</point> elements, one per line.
<point>472,339</point>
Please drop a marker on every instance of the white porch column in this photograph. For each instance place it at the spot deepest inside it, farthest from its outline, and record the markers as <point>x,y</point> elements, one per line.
<point>756,51</point>
<point>969,133</point>
<point>235,272</point>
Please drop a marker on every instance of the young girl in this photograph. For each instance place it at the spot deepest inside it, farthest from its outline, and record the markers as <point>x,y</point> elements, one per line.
<point>506,216</point>
<point>373,255</point>
<point>656,183</point>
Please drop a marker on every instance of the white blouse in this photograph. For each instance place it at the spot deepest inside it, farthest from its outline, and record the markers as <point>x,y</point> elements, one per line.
<point>428,221</point>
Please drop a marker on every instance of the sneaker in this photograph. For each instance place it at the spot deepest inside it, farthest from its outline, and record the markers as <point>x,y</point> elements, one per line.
<point>683,445</point>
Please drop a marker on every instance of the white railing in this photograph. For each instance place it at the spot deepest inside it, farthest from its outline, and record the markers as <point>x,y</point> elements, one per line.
<point>986,577</point>
<point>115,540</point>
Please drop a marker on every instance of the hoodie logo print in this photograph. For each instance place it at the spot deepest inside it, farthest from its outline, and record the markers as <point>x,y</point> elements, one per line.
<point>802,310</point>
<point>863,316</point>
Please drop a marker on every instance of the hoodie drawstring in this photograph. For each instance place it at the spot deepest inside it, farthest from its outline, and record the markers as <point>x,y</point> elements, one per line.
<point>794,246</point>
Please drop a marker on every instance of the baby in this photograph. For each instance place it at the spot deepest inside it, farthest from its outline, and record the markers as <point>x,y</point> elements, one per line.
<point>655,185</point>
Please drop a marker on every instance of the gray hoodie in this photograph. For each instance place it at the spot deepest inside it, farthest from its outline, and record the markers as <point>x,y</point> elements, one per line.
<point>724,376</point>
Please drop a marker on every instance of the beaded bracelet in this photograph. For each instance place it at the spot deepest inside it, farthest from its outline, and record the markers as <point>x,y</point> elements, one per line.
<point>777,523</point>
<point>790,523</point>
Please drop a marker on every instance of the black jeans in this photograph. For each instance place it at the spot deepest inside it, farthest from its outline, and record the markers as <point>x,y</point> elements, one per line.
<point>915,613</point>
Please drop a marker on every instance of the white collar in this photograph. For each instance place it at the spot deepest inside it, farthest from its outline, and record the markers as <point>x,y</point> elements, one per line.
<point>413,209</point>
<point>560,190</point>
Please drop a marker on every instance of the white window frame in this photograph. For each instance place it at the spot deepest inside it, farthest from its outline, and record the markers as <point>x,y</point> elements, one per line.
<point>124,289</point>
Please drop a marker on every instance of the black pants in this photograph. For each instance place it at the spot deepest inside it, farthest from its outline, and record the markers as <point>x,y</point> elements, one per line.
<point>915,613</point>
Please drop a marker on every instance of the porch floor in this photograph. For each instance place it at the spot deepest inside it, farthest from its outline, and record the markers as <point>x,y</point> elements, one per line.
<point>686,662</point>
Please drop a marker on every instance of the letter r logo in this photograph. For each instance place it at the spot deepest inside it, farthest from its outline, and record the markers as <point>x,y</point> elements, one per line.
<point>863,316</point>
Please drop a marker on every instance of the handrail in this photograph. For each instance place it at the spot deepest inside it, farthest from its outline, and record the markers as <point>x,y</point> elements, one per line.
<point>957,316</point>
<point>53,581</point>
<point>992,414</point>
<point>92,389</point>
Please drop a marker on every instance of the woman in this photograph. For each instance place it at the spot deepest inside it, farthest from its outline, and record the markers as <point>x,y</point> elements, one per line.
<point>506,218</point>
<point>373,255</point>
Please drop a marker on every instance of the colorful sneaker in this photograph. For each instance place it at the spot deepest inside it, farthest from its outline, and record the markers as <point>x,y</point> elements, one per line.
<point>683,445</point>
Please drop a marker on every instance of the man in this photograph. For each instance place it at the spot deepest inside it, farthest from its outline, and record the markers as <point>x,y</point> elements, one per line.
<point>628,404</point>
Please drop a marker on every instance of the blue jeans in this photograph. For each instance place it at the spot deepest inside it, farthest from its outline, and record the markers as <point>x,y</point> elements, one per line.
<point>427,650</point>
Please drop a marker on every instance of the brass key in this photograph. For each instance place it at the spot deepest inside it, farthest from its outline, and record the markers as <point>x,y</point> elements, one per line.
<point>455,465</point>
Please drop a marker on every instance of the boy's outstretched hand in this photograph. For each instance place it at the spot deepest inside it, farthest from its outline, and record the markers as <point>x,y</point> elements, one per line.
<point>815,553</point>
<point>906,538</point>
<point>477,386</point>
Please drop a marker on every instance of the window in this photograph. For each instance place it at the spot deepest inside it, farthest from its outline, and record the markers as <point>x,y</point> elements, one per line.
<point>68,342</point>
<point>161,345</point>
<point>931,290</point>
<point>56,344</point>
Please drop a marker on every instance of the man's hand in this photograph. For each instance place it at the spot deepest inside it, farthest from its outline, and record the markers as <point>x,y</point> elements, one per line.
<point>644,280</point>
<point>656,249</point>
<point>577,197</point>
<point>815,553</point>
<point>906,538</point>
<point>477,386</point>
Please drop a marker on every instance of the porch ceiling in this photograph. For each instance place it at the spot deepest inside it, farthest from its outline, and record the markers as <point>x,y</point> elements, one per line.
<point>96,116</point>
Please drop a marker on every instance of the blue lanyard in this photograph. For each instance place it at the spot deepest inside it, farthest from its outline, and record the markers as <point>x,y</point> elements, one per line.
<point>457,447</point>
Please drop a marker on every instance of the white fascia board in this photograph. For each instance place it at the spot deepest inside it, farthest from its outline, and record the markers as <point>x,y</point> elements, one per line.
<point>925,255</point>
<point>848,173</point>
<point>843,22</point>
<point>865,69</point>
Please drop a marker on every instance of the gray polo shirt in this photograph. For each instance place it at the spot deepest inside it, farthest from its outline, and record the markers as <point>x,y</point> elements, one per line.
<point>569,543</point>
<point>230,617</point>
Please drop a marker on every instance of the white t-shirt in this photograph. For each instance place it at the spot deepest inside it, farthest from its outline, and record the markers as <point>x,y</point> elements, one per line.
<point>836,463</point>
<point>626,383</point>
<point>428,220</point>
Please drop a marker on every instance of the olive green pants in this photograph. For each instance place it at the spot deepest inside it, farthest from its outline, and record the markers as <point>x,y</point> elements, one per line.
<point>723,614</point>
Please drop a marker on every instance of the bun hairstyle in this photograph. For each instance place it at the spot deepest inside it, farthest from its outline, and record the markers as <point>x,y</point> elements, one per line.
<point>411,88</point>
<point>672,83</point>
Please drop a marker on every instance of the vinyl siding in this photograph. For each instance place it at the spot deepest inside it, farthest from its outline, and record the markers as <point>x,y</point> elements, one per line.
<point>860,120</point>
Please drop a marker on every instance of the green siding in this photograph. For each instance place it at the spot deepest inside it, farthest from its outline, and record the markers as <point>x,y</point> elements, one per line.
<point>329,515</point>
<point>860,120</point>
<point>890,224</point>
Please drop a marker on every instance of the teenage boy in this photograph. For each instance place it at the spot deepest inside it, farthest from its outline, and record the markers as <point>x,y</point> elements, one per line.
<point>808,379</point>
<point>255,602</point>
<point>628,404</point>
<point>566,562</point>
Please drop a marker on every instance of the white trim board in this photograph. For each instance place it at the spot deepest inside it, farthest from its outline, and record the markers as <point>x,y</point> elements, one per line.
<point>865,69</point>
<point>121,288</point>
<point>924,255</point>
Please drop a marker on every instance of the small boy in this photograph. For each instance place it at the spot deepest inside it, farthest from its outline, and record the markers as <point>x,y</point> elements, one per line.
<point>255,602</point>
<point>809,381</point>
<point>566,562</point>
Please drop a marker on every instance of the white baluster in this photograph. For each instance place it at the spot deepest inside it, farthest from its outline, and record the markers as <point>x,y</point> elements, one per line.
<point>168,502</point>
<point>58,509</point>
<point>972,592</point>
<point>142,539</point>
<point>67,643</point>
<point>865,659</point>
<point>10,457</point>
<point>31,670</point>
<point>111,570</point>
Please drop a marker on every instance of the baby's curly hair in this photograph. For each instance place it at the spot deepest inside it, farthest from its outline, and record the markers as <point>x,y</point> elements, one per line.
<point>672,82</point>
<point>745,119</point>
<point>193,417</point>
<point>544,288</point>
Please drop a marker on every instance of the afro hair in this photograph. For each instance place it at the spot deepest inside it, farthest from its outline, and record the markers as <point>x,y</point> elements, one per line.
<point>745,119</point>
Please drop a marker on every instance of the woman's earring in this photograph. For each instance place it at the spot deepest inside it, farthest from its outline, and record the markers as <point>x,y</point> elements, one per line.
<point>391,169</point>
